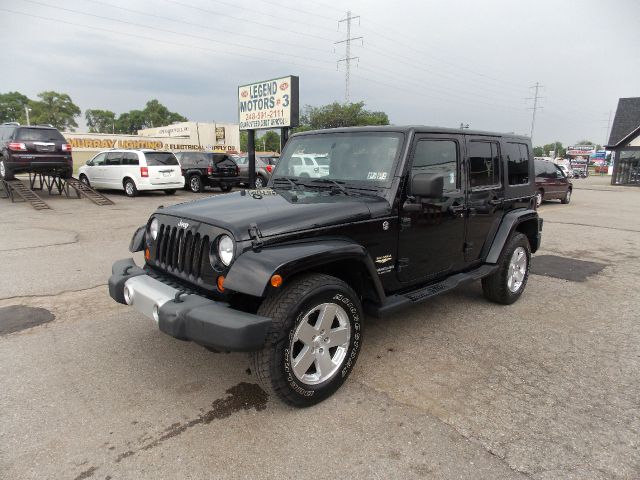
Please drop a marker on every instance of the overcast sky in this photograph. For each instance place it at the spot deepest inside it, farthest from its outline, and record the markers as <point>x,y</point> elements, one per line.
<point>422,62</point>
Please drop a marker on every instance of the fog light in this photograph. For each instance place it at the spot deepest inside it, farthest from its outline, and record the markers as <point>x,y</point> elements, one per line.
<point>128,295</point>
<point>156,313</point>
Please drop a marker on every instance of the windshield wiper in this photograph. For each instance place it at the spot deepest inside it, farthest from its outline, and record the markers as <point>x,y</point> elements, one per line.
<point>288,179</point>
<point>333,183</point>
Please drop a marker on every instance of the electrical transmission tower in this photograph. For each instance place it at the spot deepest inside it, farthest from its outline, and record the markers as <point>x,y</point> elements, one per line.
<point>535,108</point>
<point>347,57</point>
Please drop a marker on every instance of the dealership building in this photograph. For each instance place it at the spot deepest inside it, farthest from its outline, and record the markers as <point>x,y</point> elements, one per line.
<point>624,142</point>
<point>221,137</point>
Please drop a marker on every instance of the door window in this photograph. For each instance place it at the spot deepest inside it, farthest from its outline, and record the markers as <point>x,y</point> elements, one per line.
<point>484,164</point>
<point>130,158</point>
<point>113,158</point>
<point>98,160</point>
<point>439,157</point>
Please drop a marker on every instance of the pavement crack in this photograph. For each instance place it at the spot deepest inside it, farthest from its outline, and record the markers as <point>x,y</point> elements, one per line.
<point>76,239</point>
<point>593,226</point>
<point>48,295</point>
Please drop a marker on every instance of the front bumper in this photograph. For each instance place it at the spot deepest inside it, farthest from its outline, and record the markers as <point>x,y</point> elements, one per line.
<point>191,317</point>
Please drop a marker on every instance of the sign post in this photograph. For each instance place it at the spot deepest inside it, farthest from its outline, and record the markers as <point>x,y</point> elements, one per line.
<point>268,104</point>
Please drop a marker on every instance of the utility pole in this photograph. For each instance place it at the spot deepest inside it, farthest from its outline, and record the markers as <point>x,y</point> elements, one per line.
<point>606,140</point>
<point>26,111</point>
<point>535,108</point>
<point>347,57</point>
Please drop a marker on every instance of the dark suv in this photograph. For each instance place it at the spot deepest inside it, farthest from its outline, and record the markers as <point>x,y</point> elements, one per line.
<point>35,149</point>
<point>289,271</point>
<point>201,169</point>
<point>551,183</point>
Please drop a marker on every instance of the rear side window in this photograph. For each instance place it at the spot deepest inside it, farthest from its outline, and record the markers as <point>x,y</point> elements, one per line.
<point>540,169</point>
<point>484,164</point>
<point>517,163</point>
<point>130,158</point>
<point>160,159</point>
<point>39,135</point>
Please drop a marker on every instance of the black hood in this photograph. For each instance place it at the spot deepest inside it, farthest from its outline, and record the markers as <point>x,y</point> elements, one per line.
<point>279,212</point>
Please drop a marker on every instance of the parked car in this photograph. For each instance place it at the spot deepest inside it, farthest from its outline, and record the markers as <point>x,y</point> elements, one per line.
<point>264,168</point>
<point>33,149</point>
<point>551,183</point>
<point>133,171</point>
<point>308,165</point>
<point>208,169</point>
<point>288,272</point>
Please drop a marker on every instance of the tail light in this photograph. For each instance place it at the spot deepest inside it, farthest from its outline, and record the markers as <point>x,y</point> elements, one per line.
<point>269,168</point>
<point>209,170</point>
<point>144,171</point>
<point>66,147</point>
<point>18,147</point>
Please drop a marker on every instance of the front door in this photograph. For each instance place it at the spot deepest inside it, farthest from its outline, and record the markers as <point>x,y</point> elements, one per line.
<point>431,237</point>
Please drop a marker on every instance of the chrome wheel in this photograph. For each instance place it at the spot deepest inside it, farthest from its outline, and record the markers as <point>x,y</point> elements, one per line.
<point>259,182</point>
<point>319,344</point>
<point>517,269</point>
<point>538,199</point>
<point>567,197</point>
<point>128,187</point>
<point>84,180</point>
<point>2,170</point>
<point>195,183</point>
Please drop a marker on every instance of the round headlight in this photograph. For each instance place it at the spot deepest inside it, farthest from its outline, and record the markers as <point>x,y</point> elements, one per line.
<point>153,228</point>
<point>225,249</point>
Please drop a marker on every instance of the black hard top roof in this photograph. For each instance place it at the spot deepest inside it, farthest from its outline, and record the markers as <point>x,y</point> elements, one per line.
<point>414,129</point>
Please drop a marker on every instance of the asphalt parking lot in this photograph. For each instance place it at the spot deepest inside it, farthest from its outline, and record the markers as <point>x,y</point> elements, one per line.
<point>546,388</point>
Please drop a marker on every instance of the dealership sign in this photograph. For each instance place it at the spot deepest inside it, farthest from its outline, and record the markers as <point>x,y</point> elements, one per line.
<point>580,150</point>
<point>269,104</point>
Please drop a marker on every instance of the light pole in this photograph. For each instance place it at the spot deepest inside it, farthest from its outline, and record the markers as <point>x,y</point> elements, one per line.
<point>26,111</point>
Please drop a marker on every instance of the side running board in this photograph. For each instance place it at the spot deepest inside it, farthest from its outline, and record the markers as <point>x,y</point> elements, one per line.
<point>394,303</point>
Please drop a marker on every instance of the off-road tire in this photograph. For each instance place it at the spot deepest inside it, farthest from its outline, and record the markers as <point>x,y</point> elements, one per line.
<point>287,308</point>
<point>567,197</point>
<point>195,184</point>
<point>495,286</point>
<point>66,174</point>
<point>130,189</point>
<point>8,174</point>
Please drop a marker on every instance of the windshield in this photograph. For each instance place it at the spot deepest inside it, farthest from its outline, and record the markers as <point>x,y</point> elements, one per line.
<point>156,159</point>
<point>361,157</point>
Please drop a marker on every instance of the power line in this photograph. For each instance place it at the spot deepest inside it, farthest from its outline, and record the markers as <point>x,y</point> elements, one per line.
<point>347,58</point>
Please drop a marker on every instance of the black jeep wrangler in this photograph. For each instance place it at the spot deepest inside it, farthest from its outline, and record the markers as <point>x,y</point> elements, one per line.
<point>288,272</point>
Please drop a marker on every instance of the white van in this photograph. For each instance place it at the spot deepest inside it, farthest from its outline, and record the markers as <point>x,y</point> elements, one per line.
<point>133,171</point>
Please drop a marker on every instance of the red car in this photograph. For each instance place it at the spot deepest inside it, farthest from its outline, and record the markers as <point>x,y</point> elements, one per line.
<point>551,183</point>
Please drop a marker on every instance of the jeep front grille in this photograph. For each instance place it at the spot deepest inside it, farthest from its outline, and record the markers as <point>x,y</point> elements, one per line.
<point>182,252</point>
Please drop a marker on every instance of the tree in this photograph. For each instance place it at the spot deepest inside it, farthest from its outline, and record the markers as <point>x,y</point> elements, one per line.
<point>56,109</point>
<point>337,115</point>
<point>157,115</point>
<point>269,142</point>
<point>12,107</point>
<point>244,141</point>
<point>130,122</point>
<point>538,152</point>
<point>100,121</point>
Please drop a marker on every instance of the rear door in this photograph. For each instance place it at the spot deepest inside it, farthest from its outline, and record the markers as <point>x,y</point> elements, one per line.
<point>484,195</point>
<point>163,167</point>
<point>113,170</point>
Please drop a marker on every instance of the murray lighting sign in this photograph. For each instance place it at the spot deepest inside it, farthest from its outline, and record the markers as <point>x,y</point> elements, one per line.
<point>268,104</point>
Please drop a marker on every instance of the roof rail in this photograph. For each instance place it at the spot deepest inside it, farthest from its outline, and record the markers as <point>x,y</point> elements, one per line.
<point>12,123</point>
<point>44,125</point>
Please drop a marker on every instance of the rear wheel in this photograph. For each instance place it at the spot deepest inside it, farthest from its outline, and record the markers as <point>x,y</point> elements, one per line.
<point>313,342</point>
<point>509,281</point>
<point>260,182</point>
<point>170,192</point>
<point>567,197</point>
<point>195,183</point>
<point>225,187</point>
<point>130,188</point>
<point>5,172</point>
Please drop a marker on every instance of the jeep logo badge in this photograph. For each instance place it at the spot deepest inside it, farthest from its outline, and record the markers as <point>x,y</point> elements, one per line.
<point>183,224</point>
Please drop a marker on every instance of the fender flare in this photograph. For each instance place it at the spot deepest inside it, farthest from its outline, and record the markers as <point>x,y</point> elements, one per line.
<point>252,271</point>
<point>509,223</point>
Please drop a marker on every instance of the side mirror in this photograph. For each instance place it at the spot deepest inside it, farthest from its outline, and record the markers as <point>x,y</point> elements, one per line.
<point>89,163</point>
<point>427,185</point>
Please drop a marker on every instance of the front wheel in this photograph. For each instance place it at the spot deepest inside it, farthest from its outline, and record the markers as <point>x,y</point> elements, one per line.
<point>225,187</point>
<point>313,342</point>
<point>508,282</point>
<point>5,172</point>
<point>539,198</point>
<point>260,182</point>
<point>195,184</point>
<point>85,180</point>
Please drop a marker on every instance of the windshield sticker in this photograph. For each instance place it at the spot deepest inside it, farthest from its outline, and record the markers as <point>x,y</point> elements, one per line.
<point>377,176</point>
